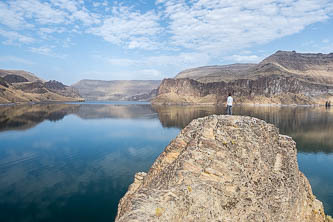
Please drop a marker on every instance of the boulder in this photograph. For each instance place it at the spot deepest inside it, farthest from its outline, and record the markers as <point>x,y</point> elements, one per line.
<point>223,168</point>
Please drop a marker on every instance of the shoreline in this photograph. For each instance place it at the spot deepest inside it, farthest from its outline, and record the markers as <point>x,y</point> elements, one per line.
<point>42,102</point>
<point>167,104</point>
<point>239,104</point>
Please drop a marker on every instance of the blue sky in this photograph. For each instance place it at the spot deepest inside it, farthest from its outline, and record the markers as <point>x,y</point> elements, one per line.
<point>70,40</point>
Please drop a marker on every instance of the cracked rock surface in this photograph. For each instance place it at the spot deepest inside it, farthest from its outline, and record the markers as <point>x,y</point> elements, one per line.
<point>223,168</point>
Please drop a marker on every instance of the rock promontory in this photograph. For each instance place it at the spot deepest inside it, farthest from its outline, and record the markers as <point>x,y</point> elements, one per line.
<point>223,168</point>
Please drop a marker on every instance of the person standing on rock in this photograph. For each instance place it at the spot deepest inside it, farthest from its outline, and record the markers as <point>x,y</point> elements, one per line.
<point>229,104</point>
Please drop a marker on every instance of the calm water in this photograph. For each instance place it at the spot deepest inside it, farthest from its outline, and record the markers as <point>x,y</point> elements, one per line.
<point>73,162</point>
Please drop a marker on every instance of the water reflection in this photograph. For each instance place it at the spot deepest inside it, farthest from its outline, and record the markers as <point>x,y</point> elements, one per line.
<point>74,169</point>
<point>311,127</point>
<point>73,162</point>
<point>23,117</point>
<point>27,116</point>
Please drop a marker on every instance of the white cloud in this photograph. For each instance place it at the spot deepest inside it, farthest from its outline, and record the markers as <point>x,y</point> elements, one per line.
<point>15,37</point>
<point>40,12</point>
<point>144,74</point>
<point>181,60</point>
<point>69,5</point>
<point>25,14</point>
<point>10,18</point>
<point>41,50</point>
<point>150,74</point>
<point>211,26</point>
<point>85,17</point>
<point>218,26</point>
<point>52,30</point>
<point>121,61</point>
<point>325,41</point>
<point>47,51</point>
<point>15,59</point>
<point>130,28</point>
<point>245,58</point>
<point>96,4</point>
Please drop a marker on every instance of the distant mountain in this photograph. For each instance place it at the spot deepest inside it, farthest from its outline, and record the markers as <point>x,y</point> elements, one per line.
<point>314,67</point>
<point>21,87</point>
<point>132,90</point>
<point>282,78</point>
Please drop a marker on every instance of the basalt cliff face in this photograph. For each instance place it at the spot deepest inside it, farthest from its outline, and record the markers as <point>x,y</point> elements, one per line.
<point>282,78</point>
<point>23,87</point>
<point>223,168</point>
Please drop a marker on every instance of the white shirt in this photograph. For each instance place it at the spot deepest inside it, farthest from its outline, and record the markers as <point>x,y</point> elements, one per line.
<point>229,101</point>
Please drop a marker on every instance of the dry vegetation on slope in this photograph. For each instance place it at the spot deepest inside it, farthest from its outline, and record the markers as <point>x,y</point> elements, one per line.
<point>23,87</point>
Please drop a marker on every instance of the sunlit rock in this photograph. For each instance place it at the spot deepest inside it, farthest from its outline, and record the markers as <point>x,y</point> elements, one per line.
<point>223,168</point>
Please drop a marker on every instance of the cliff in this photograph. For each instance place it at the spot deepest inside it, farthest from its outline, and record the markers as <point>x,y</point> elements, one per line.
<point>282,78</point>
<point>23,87</point>
<point>132,90</point>
<point>223,168</point>
<point>274,89</point>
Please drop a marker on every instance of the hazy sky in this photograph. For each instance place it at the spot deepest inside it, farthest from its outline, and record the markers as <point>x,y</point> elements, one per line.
<point>69,40</point>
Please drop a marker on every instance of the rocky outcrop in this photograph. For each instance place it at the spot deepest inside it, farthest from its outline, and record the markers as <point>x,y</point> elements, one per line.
<point>54,85</point>
<point>117,90</point>
<point>3,82</point>
<point>14,79</point>
<point>223,168</point>
<point>283,78</point>
<point>58,87</point>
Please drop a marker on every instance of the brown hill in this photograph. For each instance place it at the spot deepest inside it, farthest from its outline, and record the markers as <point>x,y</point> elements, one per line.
<point>282,78</point>
<point>23,87</point>
<point>27,75</point>
<point>313,67</point>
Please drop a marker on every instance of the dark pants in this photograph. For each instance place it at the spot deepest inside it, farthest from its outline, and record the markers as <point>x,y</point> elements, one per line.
<point>229,110</point>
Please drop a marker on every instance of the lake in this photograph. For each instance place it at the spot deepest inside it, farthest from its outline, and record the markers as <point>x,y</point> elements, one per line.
<point>73,162</point>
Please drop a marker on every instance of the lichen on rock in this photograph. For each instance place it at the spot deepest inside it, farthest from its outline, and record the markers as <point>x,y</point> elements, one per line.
<point>224,168</point>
